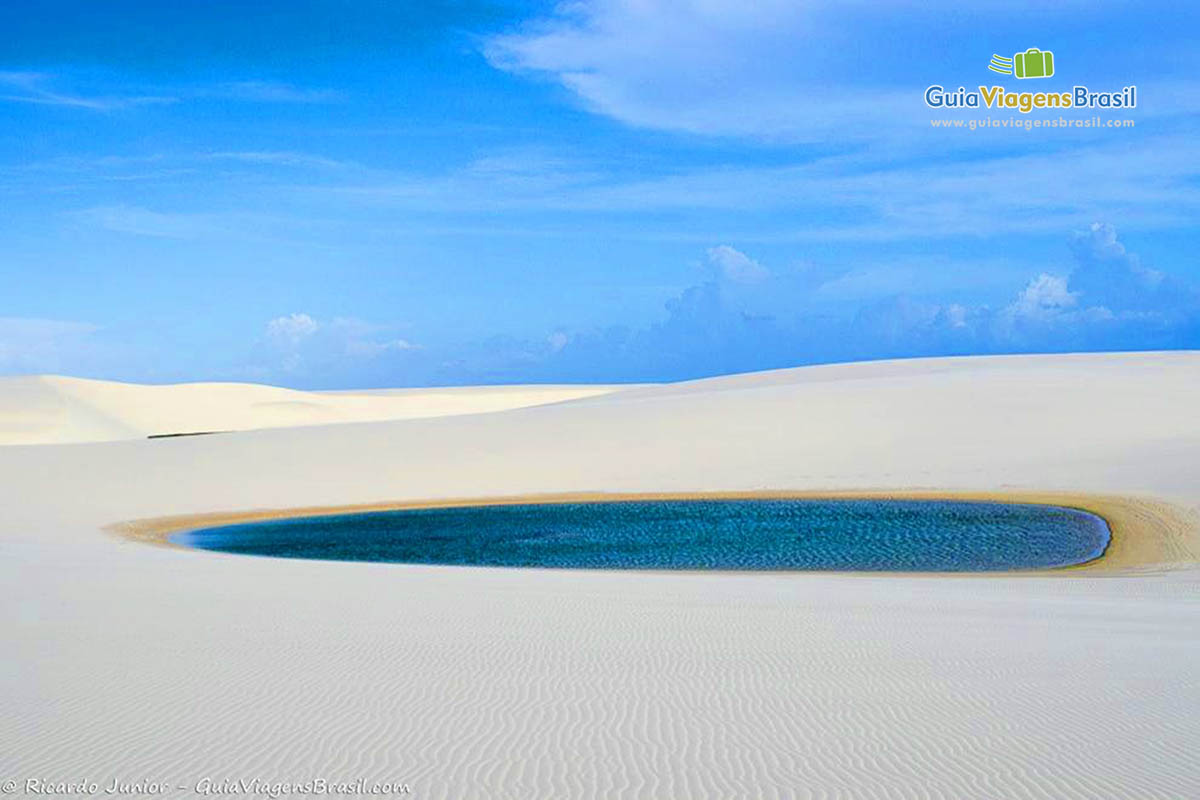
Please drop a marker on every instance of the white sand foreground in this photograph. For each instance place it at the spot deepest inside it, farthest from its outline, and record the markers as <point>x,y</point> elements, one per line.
<point>130,661</point>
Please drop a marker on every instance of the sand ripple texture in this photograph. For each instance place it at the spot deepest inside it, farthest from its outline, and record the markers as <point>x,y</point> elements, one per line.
<point>129,661</point>
<point>578,685</point>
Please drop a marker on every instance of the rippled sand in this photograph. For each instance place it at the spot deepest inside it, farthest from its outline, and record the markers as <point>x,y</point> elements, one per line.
<point>128,660</point>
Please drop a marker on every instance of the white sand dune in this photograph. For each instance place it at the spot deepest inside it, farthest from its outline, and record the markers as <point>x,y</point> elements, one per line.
<point>49,409</point>
<point>126,660</point>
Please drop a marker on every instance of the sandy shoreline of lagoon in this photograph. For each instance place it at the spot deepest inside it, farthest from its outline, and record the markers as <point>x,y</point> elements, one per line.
<point>1145,534</point>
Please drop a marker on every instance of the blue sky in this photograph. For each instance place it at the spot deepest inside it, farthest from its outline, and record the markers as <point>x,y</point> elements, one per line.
<point>335,194</point>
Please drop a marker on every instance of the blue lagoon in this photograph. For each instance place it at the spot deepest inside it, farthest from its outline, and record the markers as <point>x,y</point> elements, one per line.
<point>875,535</point>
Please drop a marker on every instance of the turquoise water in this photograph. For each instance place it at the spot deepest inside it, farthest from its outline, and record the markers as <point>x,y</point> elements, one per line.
<point>871,535</point>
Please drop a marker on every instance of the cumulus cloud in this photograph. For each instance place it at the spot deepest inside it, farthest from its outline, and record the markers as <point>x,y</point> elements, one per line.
<point>1108,301</point>
<point>1045,295</point>
<point>291,329</point>
<point>1107,276</point>
<point>741,316</point>
<point>736,266</point>
<point>300,348</point>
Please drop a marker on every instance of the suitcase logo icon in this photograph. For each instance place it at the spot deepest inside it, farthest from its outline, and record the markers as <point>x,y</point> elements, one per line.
<point>1033,63</point>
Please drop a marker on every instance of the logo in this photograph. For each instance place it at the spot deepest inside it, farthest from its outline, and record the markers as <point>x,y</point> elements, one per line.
<point>1033,63</point>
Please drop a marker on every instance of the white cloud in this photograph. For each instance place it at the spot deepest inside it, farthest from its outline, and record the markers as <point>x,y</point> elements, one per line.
<point>736,266</point>
<point>375,349</point>
<point>301,345</point>
<point>36,88</point>
<point>248,225</point>
<point>956,315</point>
<point>280,158</point>
<point>273,92</point>
<point>841,198</point>
<point>41,89</point>
<point>718,327</point>
<point>772,69</point>
<point>1045,295</point>
<point>144,222</point>
<point>291,329</point>
<point>682,66</point>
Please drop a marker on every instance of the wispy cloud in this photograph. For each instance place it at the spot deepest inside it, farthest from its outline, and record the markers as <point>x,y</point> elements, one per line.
<point>843,198</point>
<point>38,88</point>
<point>229,225</point>
<point>45,89</point>
<point>720,67</point>
<point>157,165</point>
<point>271,92</point>
<point>282,159</point>
<point>822,71</point>
<point>144,222</point>
<point>854,199</point>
